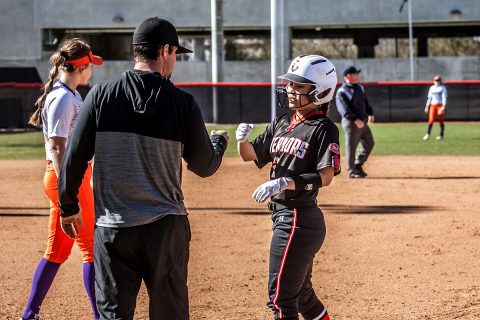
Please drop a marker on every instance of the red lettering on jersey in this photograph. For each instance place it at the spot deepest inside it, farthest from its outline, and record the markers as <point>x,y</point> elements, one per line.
<point>295,145</point>
<point>285,141</point>
<point>274,144</point>
<point>274,165</point>
<point>302,150</point>
<point>288,145</point>
<point>279,145</point>
<point>335,148</point>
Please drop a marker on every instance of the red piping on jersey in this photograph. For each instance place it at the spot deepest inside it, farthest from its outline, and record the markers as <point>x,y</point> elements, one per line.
<point>296,119</point>
<point>282,264</point>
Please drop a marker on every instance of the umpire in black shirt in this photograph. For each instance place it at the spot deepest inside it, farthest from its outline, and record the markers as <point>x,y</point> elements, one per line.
<point>356,112</point>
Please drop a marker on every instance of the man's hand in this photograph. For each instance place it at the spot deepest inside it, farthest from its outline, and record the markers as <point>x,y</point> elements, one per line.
<point>270,188</point>
<point>371,119</point>
<point>243,131</point>
<point>426,109</point>
<point>359,123</point>
<point>441,111</point>
<point>70,224</point>
<point>220,133</point>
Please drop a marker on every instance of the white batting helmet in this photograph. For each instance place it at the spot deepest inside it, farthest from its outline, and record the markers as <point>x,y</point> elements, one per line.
<point>317,71</point>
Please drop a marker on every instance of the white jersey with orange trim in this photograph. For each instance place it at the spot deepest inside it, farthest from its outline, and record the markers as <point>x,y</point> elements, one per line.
<point>437,94</point>
<point>59,113</point>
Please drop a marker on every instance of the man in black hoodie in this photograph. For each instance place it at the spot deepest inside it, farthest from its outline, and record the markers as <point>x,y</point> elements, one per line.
<point>139,126</point>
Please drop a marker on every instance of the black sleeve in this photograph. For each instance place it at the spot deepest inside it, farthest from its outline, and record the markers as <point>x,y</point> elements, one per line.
<point>328,146</point>
<point>202,153</point>
<point>80,150</point>
<point>343,106</point>
<point>368,107</point>
<point>261,145</point>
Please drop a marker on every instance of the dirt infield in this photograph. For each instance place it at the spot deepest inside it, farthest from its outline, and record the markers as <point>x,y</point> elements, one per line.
<point>402,244</point>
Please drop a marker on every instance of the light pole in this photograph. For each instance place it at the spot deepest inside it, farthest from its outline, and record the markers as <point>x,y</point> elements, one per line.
<point>217,52</point>
<point>277,30</point>
<point>273,57</point>
<point>410,41</point>
<point>410,37</point>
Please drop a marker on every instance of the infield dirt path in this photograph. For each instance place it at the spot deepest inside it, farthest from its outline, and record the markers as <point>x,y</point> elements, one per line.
<point>403,243</point>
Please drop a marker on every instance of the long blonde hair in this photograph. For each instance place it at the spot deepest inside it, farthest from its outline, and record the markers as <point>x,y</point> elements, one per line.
<point>69,49</point>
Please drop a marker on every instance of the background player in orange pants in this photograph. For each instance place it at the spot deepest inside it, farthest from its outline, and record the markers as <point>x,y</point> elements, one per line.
<point>435,106</point>
<point>57,111</point>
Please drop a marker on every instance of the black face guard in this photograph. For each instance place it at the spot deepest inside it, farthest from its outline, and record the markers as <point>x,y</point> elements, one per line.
<point>282,98</point>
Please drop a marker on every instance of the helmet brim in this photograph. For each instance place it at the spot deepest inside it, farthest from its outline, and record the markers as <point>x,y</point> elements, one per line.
<point>295,78</point>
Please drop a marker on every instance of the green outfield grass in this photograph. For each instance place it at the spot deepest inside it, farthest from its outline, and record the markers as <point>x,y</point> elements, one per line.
<point>26,145</point>
<point>461,139</point>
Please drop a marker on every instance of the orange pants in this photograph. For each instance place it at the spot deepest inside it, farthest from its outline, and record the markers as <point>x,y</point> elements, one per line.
<point>433,113</point>
<point>59,245</point>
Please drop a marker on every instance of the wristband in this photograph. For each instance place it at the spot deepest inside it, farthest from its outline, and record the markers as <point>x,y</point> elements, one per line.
<point>307,181</point>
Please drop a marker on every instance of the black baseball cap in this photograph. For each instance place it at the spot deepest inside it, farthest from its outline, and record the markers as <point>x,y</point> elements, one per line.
<point>351,70</point>
<point>158,31</point>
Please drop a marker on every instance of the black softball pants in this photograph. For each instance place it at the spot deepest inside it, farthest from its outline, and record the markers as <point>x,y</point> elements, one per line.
<point>156,253</point>
<point>298,234</point>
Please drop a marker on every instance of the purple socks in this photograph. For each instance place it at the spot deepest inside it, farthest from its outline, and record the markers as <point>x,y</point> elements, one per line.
<point>42,280</point>
<point>89,283</point>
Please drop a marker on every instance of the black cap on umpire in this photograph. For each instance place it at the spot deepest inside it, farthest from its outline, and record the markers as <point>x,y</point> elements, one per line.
<point>351,70</point>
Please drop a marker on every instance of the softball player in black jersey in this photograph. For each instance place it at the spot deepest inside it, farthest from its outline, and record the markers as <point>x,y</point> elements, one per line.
<point>305,155</point>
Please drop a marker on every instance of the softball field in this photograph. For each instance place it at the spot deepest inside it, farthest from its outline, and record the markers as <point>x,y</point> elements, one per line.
<point>403,243</point>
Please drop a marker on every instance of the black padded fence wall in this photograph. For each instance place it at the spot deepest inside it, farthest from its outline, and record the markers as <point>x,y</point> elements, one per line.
<point>391,103</point>
<point>16,106</point>
<point>247,103</point>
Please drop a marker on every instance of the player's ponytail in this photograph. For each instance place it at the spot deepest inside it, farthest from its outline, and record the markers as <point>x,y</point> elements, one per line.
<point>56,60</point>
<point>68,50</point>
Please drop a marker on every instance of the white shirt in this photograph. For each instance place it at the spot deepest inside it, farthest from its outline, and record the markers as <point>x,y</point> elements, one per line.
<point>437,94</point>
<point>60,113</point>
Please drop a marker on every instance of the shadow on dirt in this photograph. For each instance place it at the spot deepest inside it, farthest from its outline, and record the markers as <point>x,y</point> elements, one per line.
<point>425,178</point>
<point>233,210</point>
<point>379,209</point>
<point>327,208</point>
<point>23,212</point>
<point>336,209</point>
<point>24,208</point>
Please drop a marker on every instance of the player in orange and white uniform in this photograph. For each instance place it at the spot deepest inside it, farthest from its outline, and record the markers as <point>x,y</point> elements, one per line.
<point>435,106</point>
<point>57,111</point>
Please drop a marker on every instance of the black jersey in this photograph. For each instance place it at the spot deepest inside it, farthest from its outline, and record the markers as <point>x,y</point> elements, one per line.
<point>297,146</point>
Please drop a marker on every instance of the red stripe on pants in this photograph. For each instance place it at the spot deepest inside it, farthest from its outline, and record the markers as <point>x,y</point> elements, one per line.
<point>284,258</point>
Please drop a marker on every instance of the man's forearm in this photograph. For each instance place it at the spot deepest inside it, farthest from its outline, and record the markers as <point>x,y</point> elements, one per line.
<point>75,161</point>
